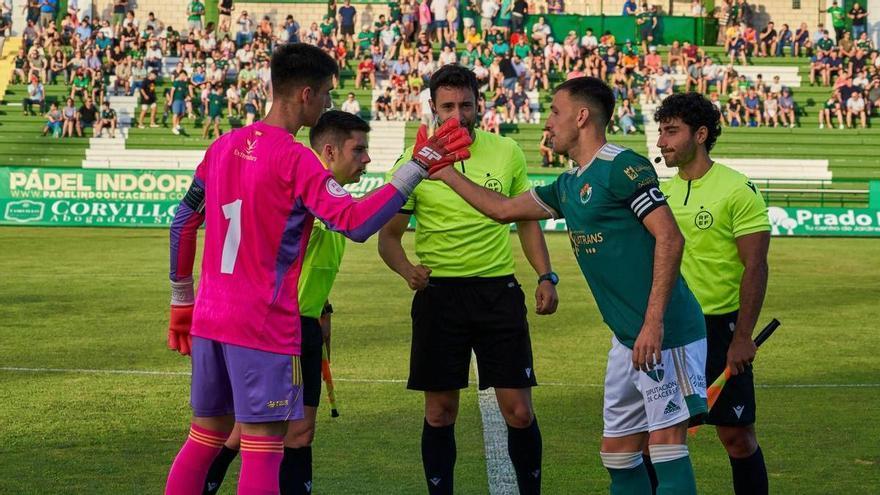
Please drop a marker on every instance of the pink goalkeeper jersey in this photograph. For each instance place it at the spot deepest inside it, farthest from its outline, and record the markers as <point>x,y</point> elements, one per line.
<point>260,191</point>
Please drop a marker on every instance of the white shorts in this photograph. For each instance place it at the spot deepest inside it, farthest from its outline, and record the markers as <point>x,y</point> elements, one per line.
<point>636,402</point>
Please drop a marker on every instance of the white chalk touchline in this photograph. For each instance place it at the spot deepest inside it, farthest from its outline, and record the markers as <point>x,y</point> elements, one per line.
<point>499,468</point>
<point>397,380</point>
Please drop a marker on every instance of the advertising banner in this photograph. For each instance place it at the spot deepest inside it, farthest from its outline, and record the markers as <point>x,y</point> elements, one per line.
<point>149,198</point>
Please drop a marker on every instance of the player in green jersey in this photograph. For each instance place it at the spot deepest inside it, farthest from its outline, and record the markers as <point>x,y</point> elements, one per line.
<point>629,249</point>
<point>724,221</point>
<point>467,299</point>
<point>340,140</point>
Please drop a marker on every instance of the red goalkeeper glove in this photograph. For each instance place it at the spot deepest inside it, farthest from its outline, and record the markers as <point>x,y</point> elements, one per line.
<point>448,145</point>
<point>182,301</point>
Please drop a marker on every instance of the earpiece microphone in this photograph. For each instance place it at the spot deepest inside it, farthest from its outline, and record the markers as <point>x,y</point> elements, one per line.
<point>658,159</point>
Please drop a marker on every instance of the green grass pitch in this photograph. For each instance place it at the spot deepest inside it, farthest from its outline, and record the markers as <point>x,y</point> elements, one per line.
<point>91,299</point>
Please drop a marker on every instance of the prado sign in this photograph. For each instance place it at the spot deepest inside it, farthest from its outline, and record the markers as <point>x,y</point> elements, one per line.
<point>148,198</point>
<point>837,222</point>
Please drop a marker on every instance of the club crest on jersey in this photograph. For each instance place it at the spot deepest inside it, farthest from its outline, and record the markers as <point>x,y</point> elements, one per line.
<point>631,173</point>
<point>586,193</point>
<point>335,189</point>
<point>704,219</point>
<point>493,184</point>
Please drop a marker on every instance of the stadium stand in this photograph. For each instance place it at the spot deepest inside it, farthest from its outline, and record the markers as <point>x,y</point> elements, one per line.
<point>109,56</point>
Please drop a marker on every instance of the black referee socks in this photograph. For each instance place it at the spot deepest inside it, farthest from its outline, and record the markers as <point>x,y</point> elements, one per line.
<point>296,471</point>
<point>750,474</point>
<point>524,448</point>
<point>438,457</point>
<point>218,470</point>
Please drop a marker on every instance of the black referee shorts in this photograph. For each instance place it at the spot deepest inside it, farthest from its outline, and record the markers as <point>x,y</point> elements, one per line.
<point>453,316</point>
<point>736,404</point>
<point>310,360</point>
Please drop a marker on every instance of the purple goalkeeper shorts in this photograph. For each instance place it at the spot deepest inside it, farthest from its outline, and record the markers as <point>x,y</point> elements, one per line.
<point>258,386</point>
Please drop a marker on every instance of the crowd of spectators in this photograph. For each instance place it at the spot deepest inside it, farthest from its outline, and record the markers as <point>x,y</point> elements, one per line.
<point>222,71</point>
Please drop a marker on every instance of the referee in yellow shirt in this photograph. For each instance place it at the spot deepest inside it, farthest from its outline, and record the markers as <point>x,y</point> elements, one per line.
<point>727,235</point>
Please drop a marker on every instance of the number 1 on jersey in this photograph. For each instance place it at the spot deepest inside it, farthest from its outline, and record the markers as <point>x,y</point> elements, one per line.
<point>232,212</point>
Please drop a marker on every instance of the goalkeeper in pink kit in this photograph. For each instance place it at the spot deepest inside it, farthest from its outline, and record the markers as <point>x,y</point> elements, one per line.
<point>258,190</point>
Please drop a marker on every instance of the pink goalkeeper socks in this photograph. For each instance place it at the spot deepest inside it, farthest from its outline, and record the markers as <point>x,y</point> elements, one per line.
<point>260,462</point>
<point>187,476</point>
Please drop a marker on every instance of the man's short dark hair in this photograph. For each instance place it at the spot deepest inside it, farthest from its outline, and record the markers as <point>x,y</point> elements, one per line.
<point>335,126</point>
<point>454,76</point>
<point>299,64</point>
<point>694,110</point>
<point>592,91</point>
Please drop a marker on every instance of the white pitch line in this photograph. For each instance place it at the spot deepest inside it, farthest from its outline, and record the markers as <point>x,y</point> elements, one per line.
<point>397,380</point>
<point>499,469</point>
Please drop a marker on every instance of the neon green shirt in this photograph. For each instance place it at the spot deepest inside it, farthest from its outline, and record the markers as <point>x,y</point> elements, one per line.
<point>319,269</point>
<point>603,204</point>
<point>838,18</point>
<point>712,212</point>
<point>452,238</point>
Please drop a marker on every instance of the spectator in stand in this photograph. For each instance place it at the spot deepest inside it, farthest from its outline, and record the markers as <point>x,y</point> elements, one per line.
<point>424,15</point>
<point>629,8</point>
<point>856,107</point>
<point>784,39</point>
<point>195,12</point>
<point>771,109</point>
<point>520,109</point>
<point>253,103</point>
<point>625,118</point>
<point>347,21</point>
<point>47,12</point>
<point>646,20</point>
<point>786,108</point>
<point>245,34</point>
<point>831,106</point>
<point>859,17</point>
<point>148,101</point>
<point>351,105</point>
<point>120,7</point>
<point>36,95</point>
<point>180,92</point>
<point>675,58</point>
<point>225,8</point>
<point>833,65</point>
<point>541,32</point>
<point>767,40</point>
<point>491,121</point>
<point>86,117</point>
<point>68,116</point>
<point>752,105</point>
<point>518,15</point>
<point>215,113</point>
<point>548,158</point>
<point>107,121</point>
<point>846,46</point>
<point>233,100</point>
<point>53,121</point>
<point>802,43</point>
<point>734,116</point>
<point>382,106</point>
<point>366,71</point>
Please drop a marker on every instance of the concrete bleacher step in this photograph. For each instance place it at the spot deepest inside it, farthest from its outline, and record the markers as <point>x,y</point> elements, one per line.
<point>386,144</point>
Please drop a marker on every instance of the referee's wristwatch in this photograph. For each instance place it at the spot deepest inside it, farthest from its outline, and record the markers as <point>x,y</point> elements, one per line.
<point>551,277</point>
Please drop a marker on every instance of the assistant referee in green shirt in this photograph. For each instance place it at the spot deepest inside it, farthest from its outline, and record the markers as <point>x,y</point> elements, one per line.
<point>467,298</point>
<point>727,235</point>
